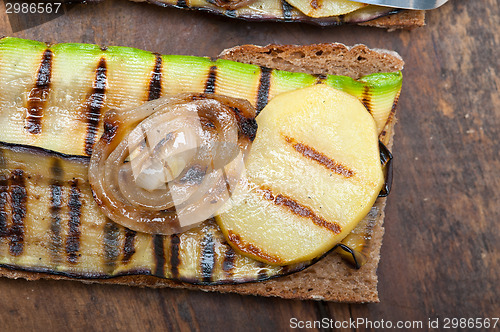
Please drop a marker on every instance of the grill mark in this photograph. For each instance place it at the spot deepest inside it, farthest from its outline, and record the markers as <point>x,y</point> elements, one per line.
<point>18,198</point>
<point>75,209</point>
<point>246,126</point>
<point>4,187</point>
<point>299,209</point>
<point>39,95</point>
<point>366,98</point>
<point>315,4</point>
<point>212,77</point>
<point>182,4</point>
<point>228,262</point>
<point>159,250</point>
<point>207,258</point>
<point>111,244</point>
<point>94,105</point>
<point>56,200</point>
<point>264,87</point>
<point>155,81</point>
<point>174,255</point>
<point>320,79</point>
<point>250,248</point>
<point>286,9</point>
<point>129,245</point>
<point>110,129</point>
<point>320,158</point>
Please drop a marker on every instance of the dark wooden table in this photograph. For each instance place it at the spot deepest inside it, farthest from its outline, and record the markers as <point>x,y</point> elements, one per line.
<point>440,257</point>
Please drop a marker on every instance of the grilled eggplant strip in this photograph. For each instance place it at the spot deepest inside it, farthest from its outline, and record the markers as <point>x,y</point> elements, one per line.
<point>277,10</point>
<point>100,249</point>
<point>87,80</point>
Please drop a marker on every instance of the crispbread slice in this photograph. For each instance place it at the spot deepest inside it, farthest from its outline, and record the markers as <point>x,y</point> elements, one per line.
<point>330,279</point>
<point>409,20</point>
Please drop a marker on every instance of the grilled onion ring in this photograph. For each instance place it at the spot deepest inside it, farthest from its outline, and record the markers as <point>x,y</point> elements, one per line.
<point>170,164</point>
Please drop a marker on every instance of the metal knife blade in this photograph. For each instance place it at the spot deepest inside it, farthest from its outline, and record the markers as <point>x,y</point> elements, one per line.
<point>406,4</point>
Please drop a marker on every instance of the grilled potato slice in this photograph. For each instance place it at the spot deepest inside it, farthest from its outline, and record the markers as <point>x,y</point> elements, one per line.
<point>325,8</point>
<point>312,174</point>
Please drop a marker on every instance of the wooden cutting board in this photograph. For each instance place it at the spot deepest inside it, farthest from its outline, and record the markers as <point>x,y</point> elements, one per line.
<point>441,255</point>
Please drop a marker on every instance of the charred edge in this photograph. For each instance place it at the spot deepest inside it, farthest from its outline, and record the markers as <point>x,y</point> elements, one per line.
<point>56,201</point>
<point>352,252</point>
<point>320,158</point>
<point>94,105</point>
<point>129,245</point>
<point>392,112</point>
<point>110,129</point>
<point>111,251</point>
<point>19,148</point>
<point>300,210</point>
<point>159,250</point>
<point>320,79</point>
<point>139,272</point>
<point>212,77</point>
<point>264,86</point>
<point>75,210</point>
<point>3,160</point>
<point>228,262</point>
<point>207,258</point>
<point>366,98</point>
<point>4,187</point>
<point>182,4</point>
<point>247,126</point>
<point>155,81</point>
<point>39,94</point>
<point>287,10</point>
<point>386,161</point>
<point>18,198</point>
<point>175,255</point>
<point>250,248</point>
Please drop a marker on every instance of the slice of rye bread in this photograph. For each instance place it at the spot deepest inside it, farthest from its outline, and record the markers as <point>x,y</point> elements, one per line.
<point>408,19</point>
<point>330,279</point>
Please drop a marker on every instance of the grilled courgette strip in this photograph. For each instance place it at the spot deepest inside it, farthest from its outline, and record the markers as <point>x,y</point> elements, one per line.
<point>54,97</point>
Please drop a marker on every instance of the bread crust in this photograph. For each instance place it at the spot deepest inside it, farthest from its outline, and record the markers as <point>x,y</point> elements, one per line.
<point>409,20</point>
<point>330,279</point>
<point>318,59</point>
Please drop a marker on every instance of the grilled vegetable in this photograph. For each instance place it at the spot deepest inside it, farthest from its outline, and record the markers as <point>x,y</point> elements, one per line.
<point>326,8</point>
<point>54,98</point>
<point>170,164</point>
<point>49,222</point>
<point>309,184</point>
<point>337,12</point>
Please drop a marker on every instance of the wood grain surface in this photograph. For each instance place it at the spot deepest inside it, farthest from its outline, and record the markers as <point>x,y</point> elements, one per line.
<point>440,256</point>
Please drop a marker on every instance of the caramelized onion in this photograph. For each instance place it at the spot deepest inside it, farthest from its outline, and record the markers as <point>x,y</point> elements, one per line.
<point>170,164</point>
